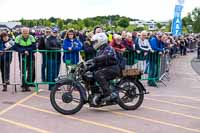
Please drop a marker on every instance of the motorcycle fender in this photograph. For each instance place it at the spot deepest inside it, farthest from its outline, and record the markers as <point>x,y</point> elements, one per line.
<point>144,90</point>
<point>78,85</point>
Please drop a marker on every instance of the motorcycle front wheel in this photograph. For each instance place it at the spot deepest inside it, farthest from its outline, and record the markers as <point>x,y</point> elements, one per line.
<point>66,98</point>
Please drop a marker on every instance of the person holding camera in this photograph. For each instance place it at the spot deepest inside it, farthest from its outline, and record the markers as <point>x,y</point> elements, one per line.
<point>5,58</point>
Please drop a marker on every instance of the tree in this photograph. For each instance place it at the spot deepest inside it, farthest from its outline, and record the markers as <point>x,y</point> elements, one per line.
<point>22,21</point>
<point>47,23</point>
<point>131,28</point>
<point>193,19</point>
<point>195,16</point>
<point>52,19</point>
<point>80,24</point>
<point>31,23</point>
<point>159,25</point>
<point>87,22</point>
<point>60,23</point>
<point>104,21</point>
<point>67,21</point>
<point>123,22</point>
<point>139,28</point>
<point>187,21</point>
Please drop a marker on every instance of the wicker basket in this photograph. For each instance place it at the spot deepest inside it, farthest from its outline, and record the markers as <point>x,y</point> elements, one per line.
<point>131,72</point>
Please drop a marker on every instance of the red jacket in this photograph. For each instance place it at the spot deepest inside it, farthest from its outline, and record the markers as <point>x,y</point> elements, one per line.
<point>118,47</point>
<point>129,45</point>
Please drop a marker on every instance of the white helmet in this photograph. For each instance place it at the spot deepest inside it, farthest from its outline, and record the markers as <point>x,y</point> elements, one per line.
<point>99,39</point>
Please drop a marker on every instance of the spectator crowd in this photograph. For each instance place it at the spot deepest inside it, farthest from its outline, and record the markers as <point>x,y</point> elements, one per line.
<point>139,48</point>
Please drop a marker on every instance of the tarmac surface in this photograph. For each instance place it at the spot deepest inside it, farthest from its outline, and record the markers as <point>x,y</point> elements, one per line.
<point>174,108</point>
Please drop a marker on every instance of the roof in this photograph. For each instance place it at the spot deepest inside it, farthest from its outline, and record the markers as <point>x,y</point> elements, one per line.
<point>3,26</point>
<point>10,24</point>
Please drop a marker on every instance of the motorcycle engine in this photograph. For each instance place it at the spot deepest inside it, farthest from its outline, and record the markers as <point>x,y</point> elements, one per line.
<point>94,100</point>
<point>88,76</point>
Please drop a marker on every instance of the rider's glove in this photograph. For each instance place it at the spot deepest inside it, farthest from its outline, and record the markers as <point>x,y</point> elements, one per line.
<point>90,65</point>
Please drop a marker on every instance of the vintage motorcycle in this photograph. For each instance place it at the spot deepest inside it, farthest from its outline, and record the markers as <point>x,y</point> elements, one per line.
<point>79,87</point>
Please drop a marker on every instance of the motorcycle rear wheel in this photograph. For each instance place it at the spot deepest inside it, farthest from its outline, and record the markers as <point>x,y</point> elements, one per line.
<point>130,90</point>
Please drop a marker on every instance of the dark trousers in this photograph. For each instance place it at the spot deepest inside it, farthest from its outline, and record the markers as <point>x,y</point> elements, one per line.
<point>103,76</point>
<point>182,50</point>
<point>44,64</point>
<point>53,69</point>
<point>5,70</point>
<point>153,67</point>
<point>28,69</point>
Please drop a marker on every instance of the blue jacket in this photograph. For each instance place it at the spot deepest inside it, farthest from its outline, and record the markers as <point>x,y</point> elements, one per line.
<point>72,55</point>
<point>7,56</point>
<point>156,45</point>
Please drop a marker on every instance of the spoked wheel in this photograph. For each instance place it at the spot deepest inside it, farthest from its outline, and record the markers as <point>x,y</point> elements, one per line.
<point>130,94</point>
<point>66,98</point>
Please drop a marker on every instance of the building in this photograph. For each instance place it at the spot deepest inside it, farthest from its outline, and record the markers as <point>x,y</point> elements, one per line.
<point>3,27</point>
<point>152,25</point>
<point>141,23</point>
<point>11,25</point>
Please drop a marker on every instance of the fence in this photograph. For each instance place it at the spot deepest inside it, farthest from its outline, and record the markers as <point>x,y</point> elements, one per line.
<point>192,46</point>
<point>10,70</point>
<point>43,66</point>
<point>164,68</point>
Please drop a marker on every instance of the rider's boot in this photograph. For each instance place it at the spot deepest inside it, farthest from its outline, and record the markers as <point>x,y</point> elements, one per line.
<point>110,95</point>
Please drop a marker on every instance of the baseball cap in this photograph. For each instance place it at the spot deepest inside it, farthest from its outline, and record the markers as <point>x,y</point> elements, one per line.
<point>47,29</point>
<point>54,29</point>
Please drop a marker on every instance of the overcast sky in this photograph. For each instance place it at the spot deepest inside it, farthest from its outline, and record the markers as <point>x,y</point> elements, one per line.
<point>141,9</point>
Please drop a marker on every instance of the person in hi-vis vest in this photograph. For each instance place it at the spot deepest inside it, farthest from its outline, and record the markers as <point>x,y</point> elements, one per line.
<point>25,44</point>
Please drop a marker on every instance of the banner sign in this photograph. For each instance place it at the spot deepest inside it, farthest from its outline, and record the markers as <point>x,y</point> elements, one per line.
<point>177,21</point>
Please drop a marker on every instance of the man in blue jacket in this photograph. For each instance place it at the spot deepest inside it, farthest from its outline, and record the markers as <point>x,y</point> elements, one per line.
<point>157,45</point>
<point>25,44</point>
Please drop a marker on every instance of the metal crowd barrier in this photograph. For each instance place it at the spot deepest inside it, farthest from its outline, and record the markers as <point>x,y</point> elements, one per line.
<point>164,68</point>
<point>43,66</point>
<point>48,66</point>
<point>192,46</point>
<point>10,69</point>
<point>148,63</point>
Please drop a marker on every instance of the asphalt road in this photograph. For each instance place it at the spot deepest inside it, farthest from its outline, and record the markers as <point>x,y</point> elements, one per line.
<point>174,108</point>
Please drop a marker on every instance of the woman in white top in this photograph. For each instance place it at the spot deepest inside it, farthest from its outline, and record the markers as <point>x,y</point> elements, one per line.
<point>143,43</point>
<point>143,50</point>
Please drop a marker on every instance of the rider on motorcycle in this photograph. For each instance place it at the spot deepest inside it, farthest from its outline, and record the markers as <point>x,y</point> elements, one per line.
<point>104,65</point>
